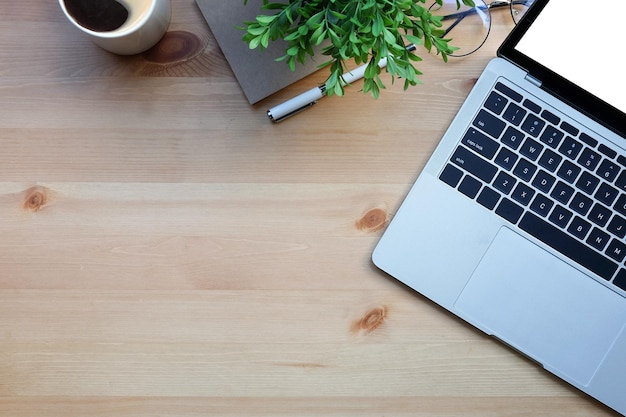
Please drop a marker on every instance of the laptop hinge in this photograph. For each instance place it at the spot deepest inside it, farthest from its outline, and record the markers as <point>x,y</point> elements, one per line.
<point>533,80</point>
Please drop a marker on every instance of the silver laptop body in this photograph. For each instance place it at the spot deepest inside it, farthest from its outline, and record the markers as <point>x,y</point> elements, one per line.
<point>478,230</point>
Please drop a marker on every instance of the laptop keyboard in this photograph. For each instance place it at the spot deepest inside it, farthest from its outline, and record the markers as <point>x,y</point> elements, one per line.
<point>547,177</point>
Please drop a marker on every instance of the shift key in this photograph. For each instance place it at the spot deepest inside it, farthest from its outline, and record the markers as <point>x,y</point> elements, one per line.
<point>473,164</point>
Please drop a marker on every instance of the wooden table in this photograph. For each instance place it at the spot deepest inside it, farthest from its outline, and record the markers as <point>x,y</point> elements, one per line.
<point>167,251</point>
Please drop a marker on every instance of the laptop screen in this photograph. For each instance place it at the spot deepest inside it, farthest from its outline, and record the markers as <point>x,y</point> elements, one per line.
<point>573,47</point>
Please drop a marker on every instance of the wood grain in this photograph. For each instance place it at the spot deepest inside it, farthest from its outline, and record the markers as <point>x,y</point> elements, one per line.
<point>167,251</point>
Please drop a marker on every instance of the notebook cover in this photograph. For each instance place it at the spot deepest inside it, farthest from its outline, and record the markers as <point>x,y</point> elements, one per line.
<point>257,72</point>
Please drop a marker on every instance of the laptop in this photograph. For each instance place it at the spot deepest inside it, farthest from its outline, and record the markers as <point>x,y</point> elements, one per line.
<point>258,73</point>
<point>517,223</point>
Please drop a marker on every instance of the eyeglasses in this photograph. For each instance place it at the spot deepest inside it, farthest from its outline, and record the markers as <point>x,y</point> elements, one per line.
<point>469,27</point>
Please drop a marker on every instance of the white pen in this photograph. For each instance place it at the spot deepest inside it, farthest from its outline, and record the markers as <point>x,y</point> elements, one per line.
<point>309,98</point>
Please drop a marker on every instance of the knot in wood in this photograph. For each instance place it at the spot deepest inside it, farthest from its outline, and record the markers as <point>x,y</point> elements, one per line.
<point>35,198</point>
<point>371,321</point>
<point>176,46</point>
<point>372,221</point>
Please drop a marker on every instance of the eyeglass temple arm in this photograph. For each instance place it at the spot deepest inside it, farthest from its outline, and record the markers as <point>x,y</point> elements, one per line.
<point>462,15</point>
<point>459,16</point>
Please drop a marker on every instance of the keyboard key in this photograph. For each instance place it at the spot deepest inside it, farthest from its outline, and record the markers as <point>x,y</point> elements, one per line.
<point>588,140</point>
<point>514,114</point>
<point>532,106</point>
<point>496,102</point>
<point>620,279</point>
<point>488,198</point>
<point>599,214</point>
<point>525,170</point>
<point>533,125</point>
<point>551,117</point>
<point>543,181</point>
<point>514,95</point>
<point>512,138</point>
<point>617,226</point>
<point>598,239</point>
<point>562,192</point>
<point>608,170</point>
<point>621,181</point>
<point>509,211</point>
<point>489,124</point>
<point>560,216</point>
<point>531,149</point>
<point>579,227</point>
<point>473,164</point>
<point>451,175</point>
<point>606,194</point>
<point>581,204</point>
<point>589,159</point>
<point>550,160</point>
<point>504,183</point>
<point>551,136</point>
<point>523,194</point>
<point>607,151</point>
<point>542,205</point>
<point>568,171</point>
<point>506,159</point>
<point>587,183</point>
<point>568,246</point>
<point>616,250</point>
<point>570,147</point>
<point>620,205</point>
<point>480,143</point>
<point>569,129</point>
<point>470,186</point>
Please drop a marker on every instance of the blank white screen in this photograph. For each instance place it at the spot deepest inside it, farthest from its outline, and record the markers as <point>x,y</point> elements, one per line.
<point>582,41</point>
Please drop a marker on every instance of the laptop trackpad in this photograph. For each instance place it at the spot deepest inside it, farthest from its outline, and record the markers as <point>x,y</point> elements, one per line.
<point>543,307</point>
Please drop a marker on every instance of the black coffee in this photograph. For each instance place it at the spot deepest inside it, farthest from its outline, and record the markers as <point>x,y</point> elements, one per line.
<point>97,15</point>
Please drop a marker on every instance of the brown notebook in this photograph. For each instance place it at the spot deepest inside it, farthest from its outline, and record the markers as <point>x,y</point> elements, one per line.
<point>258,72</point>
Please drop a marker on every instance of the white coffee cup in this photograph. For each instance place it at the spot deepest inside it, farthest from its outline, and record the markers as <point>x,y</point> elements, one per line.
<point>145,25</point>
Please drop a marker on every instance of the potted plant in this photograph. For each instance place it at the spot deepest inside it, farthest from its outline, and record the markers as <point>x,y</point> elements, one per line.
<point>364,30</point>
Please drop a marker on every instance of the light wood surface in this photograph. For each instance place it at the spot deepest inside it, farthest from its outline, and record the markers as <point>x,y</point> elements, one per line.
<point>165,250</point>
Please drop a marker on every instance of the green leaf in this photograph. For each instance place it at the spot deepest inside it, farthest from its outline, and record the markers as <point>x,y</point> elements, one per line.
<point>318,35</point>
<point>377,25</point>
<point>265,39</point>
<point>291,62</point>
<point>254,42</point>
<point>338,15</point>
<point>256,30</point>
<point>338,90</point>
<point>265,20</point>
<point>389,37</point>
<point>414,39</point>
